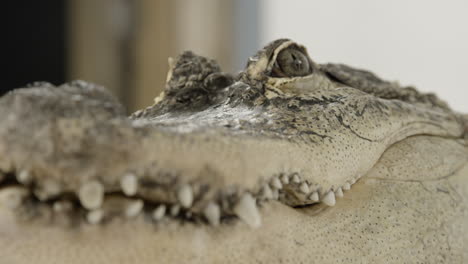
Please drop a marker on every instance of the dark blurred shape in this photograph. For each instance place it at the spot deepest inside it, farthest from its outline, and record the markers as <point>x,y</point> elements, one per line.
<point>33,42</point>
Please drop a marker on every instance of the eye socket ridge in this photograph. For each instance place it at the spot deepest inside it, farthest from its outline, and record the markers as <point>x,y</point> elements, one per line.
<point>291,62</point>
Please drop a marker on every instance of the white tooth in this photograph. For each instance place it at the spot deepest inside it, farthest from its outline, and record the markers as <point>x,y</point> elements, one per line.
<point>159,212</point>
<point>276,183</point>
<point>129,184</point>
<point>61,206</point>
<point>314,197</point>
<point>13,196</point>
<point>346,187</point>
<point>134,208</point>
<point>339,192</point>
<point>352,181</point>
<point>185,196</point>
<point>329,199</point>
<point>304,188</point>
<point>91,195</point>
<point>47,189</point>
<point>275,194</point>
<point>284,179</point>
<point>296,179</point>
<point>212,213</point>
<point>246,210</point>
<point>52,187</point>
<point>95,216</point>
<point>24,177</point>
<point>41,194</point>
<point>266,192</point>
<point>175,209</point>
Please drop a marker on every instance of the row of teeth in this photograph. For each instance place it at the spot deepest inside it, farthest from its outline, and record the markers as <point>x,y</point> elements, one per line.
<point>311,193</point>
<point>92,197</point>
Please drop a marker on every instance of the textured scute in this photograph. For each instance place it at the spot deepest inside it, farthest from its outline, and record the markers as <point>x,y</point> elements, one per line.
<point>383,219</point>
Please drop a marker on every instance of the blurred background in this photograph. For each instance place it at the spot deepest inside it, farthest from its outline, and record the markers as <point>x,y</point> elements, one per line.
<point>124,44</point>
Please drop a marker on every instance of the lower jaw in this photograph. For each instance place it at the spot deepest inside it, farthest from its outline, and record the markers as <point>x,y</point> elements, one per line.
<point>141,240</point>
<point>372,222</point>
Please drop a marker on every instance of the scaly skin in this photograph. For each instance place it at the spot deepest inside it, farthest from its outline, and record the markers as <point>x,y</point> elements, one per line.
<point>273,146</point>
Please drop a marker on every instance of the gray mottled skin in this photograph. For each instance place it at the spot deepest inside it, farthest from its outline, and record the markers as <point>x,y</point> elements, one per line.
<point>403,152</point>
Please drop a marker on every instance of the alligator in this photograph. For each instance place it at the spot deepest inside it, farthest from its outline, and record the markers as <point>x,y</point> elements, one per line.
<point>288,161</point>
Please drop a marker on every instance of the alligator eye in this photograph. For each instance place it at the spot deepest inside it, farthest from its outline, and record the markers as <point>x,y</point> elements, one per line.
<point>290,63</point>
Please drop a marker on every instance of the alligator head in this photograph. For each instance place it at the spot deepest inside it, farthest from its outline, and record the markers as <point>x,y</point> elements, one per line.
<point>319,162</point>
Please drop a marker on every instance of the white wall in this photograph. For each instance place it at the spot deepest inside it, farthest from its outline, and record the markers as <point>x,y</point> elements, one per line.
<point>418,42</point>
